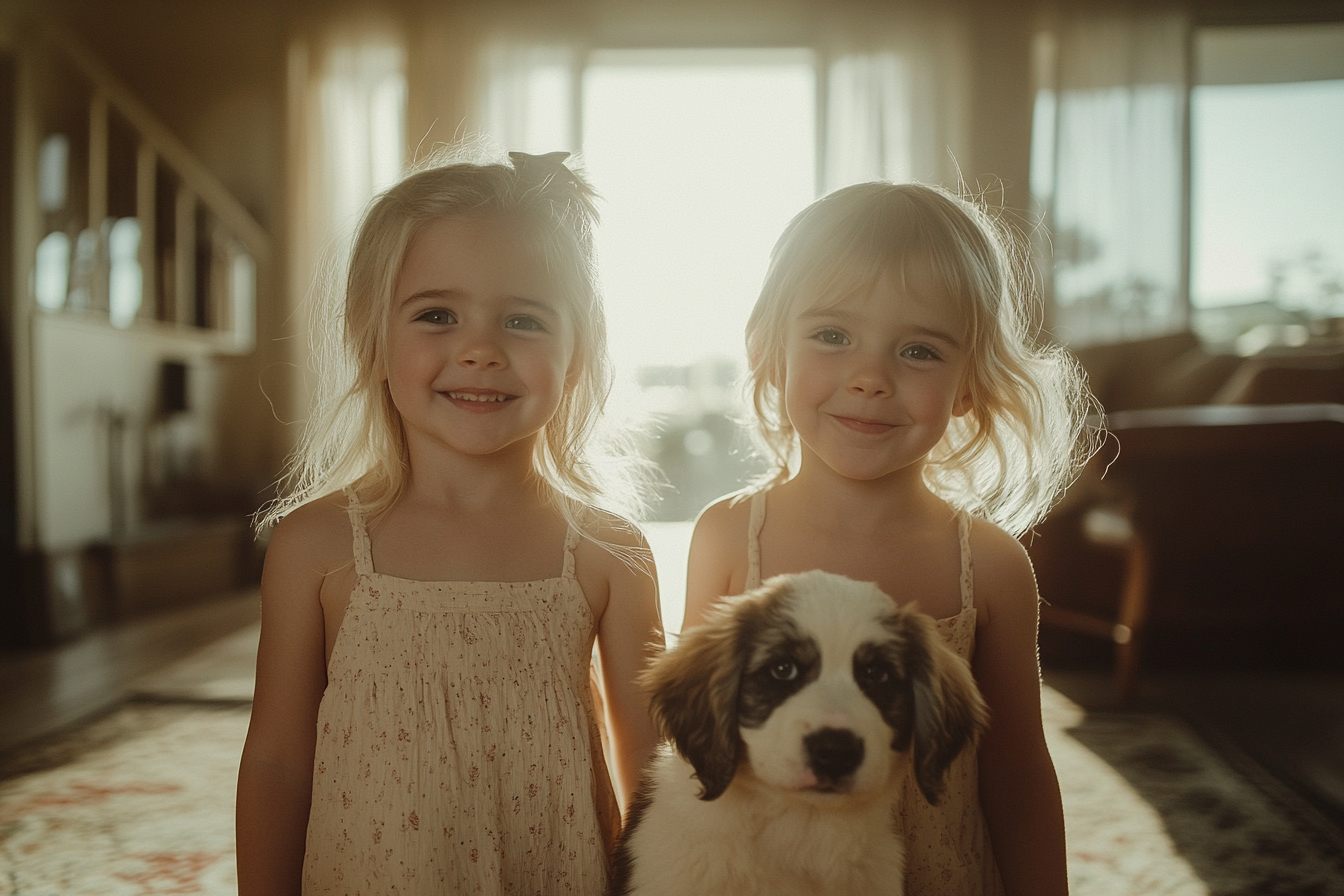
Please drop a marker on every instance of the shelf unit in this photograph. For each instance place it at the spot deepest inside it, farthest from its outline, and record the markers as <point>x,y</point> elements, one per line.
<point>125,163</point>
<point>200,261</point>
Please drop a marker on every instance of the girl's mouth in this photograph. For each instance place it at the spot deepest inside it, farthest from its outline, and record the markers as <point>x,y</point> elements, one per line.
<point>864,426</point>
<point>478,401</point>
<point>485,397</point>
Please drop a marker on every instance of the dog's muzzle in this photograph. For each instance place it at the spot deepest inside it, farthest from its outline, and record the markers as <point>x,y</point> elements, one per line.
<point>833,755</point>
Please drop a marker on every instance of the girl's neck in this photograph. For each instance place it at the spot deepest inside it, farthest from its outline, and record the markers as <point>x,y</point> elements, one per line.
<point>482,522</point>
<point>472,483</point>
<point>837,501</point>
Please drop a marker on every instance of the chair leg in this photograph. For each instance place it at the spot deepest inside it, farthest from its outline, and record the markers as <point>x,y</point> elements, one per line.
<point>1130,624</point>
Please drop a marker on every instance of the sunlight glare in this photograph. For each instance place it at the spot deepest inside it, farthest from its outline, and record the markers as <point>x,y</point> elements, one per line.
<point>1267,188</point>
<point>701,159</point>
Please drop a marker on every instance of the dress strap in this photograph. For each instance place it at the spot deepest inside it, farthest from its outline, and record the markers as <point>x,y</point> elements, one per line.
<point>967,572</point>
<point>572,537</point>
<point>754,524</point>
<point>362,547</point>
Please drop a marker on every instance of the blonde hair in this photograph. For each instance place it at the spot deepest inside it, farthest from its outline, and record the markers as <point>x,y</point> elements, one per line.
<point>1025,438</point>
<point>354,436</point>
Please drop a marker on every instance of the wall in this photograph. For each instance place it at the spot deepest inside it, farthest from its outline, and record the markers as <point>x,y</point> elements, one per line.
<point>213,73</point>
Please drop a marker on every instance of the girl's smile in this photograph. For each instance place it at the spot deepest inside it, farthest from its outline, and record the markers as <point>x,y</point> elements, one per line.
<point>874,427</point>
<point>478,348</point>
<point>872,381</point>
<point>479,401</point>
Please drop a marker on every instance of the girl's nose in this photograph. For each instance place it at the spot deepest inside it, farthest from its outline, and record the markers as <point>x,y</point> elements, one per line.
<point>480,352</point>
<point>870,379</point>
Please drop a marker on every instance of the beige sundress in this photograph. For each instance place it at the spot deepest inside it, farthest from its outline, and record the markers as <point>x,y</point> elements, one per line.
<point>947,846</point>
<point>457,750</point>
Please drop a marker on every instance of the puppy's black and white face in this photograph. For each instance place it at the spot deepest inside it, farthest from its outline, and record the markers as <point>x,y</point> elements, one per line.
<point>816,684</point>
<point>821,699</point>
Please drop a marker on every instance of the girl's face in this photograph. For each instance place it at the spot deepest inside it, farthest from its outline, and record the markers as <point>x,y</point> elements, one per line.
<point>479,345</point>
<point>871,382</point>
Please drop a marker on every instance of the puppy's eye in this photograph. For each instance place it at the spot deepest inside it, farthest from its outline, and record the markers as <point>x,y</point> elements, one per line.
<point>784,670</point>
<point>874,673</point>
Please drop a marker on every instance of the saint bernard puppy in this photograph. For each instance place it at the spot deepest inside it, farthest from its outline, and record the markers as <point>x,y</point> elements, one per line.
<point>796,712</point>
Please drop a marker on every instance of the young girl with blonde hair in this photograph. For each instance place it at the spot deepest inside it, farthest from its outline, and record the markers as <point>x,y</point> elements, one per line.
<point>915,427</point>
<point>440,568</point>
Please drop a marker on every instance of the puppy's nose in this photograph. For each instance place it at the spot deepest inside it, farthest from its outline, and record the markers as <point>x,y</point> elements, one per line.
<point>833,753</point>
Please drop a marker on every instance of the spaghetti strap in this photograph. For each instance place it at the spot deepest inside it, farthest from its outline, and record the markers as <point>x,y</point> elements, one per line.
<point>967,572</point>
<point>571,542</point>
<point>754,525</point>
<point>362,548</point>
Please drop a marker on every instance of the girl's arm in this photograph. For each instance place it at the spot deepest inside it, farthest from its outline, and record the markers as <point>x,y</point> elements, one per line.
<point>1019,791</point>
<point>629,635</point>
<point>276,772</point>
<point>718,554</point>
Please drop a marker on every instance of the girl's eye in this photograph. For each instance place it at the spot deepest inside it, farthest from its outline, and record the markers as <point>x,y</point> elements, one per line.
<point>437,316</point>
<point>920,353</point>
<point>831,337</point>
<point>524,322</point>
<point>784,670</point>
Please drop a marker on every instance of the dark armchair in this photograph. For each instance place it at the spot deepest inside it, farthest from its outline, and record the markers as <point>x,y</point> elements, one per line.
<point>1214,513</point>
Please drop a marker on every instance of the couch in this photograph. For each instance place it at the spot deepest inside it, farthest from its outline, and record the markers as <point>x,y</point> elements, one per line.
<point>1208,530</point>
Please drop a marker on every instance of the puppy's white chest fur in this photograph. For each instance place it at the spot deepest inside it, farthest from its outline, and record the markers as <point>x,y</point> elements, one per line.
<point>755,839</point>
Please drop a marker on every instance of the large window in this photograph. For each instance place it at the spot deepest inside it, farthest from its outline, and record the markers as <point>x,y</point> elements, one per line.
<point>701,157</point>
<point>1191,177</point>
<point>1267,184</point>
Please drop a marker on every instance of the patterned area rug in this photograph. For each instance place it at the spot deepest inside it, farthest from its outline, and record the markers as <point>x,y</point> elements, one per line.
<point>141,802</point>
<point>1152,808</point>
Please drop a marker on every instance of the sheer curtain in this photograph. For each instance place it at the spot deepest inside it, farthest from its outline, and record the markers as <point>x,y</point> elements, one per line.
<point>892,93</point>
<point>529,100</point>
<point>347,137</point>
<point>1109,173</point>
<point>894,98</point>
<point>362,111</point>
<point>867,117</point>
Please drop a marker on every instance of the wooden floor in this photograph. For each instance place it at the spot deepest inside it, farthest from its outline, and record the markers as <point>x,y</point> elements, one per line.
<point>1291,725</point>
<point>46,691</point>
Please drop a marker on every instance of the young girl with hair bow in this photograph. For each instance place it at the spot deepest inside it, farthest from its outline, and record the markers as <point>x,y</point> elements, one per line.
<point>443,561</point>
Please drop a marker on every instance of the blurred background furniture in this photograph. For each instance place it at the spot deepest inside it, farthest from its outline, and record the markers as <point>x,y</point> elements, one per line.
<point>140,441</point>
<point>1207,531</point>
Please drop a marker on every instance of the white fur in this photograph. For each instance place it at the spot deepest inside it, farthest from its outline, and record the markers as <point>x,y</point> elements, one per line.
<point>839,616</point>
<point>772,831</point>
<point>758,840</point>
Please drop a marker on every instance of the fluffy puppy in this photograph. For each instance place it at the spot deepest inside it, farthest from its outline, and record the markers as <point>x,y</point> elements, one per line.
<point>796,712</point>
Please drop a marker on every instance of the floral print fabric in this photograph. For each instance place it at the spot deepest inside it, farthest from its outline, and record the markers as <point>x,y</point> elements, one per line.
<point>457,750</point>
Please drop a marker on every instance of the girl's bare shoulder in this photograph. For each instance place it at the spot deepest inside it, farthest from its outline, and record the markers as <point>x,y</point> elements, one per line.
<point>717,562</point>
<point>612,543</point>
<point>721,528</point>
<point>316,535</point>
<point>614,560</point>
<point>1004,579</point>
<point>602,527</point>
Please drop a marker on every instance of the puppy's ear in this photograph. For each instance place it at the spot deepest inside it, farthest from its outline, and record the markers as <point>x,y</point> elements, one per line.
<point>947,713</point>
<point>693,690</point>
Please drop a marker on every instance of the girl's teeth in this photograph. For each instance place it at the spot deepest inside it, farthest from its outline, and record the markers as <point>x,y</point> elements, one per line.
<point>465,397</point>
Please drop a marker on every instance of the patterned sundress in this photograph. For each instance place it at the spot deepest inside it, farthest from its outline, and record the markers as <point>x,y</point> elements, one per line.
<point>457,749</point>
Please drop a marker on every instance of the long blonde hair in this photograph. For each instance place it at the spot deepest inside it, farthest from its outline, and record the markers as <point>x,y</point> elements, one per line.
<point>1026,438</point>
<point>354,434</point>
